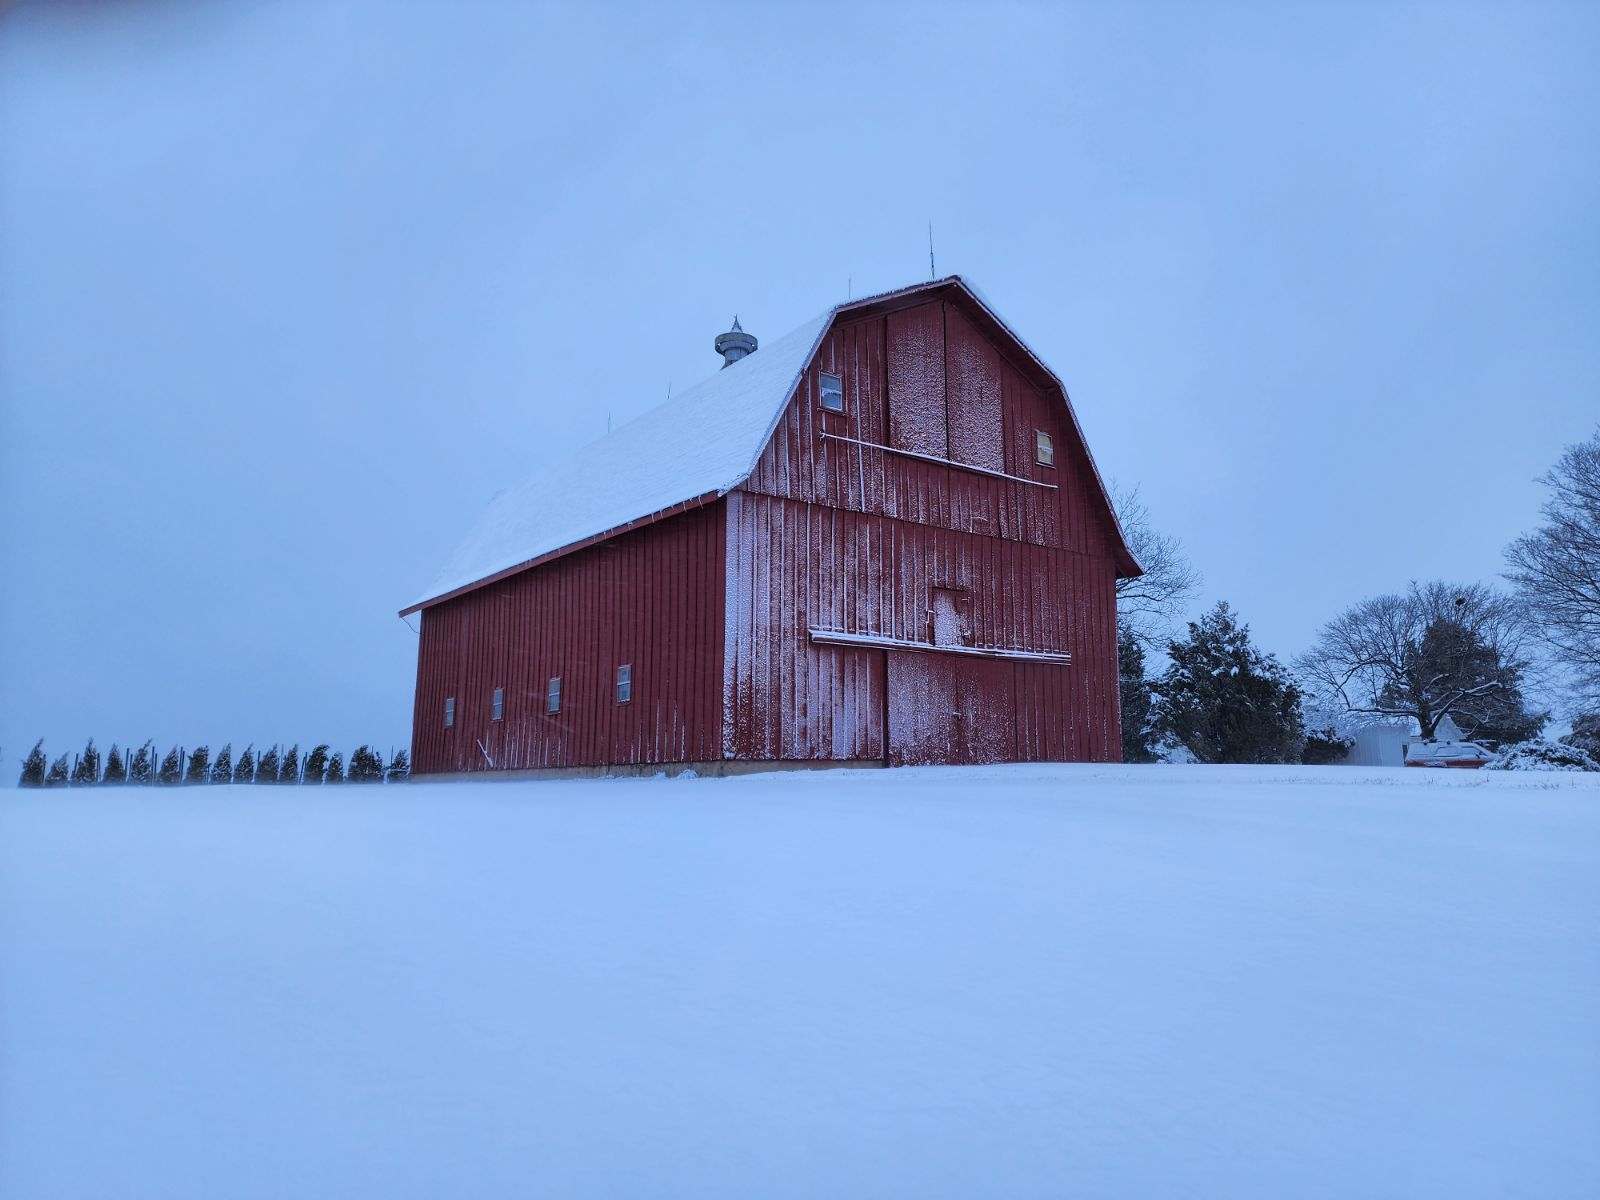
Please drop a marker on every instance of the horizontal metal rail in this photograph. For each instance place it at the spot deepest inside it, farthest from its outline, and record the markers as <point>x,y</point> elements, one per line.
<point>933,458</point>
<point>878,641</point>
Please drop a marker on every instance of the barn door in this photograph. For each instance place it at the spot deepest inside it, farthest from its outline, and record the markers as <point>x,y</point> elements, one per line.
<point>924,709</point>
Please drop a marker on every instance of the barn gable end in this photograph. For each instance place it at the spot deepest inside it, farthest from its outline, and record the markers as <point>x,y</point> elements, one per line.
<point>926,490</point>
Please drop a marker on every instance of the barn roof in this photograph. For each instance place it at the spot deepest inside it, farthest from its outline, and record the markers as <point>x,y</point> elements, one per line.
<point>694,448</point>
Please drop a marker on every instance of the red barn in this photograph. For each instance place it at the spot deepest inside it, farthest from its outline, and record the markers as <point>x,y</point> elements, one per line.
<point>877,540</point>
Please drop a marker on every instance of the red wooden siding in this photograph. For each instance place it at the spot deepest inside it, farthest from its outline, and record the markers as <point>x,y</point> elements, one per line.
<point>794,566</point>
<point>832,533</point>
<point>652,598</point>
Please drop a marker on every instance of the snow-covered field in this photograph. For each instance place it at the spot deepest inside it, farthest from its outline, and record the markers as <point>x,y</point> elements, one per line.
<point>1010,982</point>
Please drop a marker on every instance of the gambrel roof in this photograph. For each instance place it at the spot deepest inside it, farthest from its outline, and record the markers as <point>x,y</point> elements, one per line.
<point>696,447</point>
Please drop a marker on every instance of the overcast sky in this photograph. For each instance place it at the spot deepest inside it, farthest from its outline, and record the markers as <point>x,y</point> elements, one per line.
<point>287,292</point>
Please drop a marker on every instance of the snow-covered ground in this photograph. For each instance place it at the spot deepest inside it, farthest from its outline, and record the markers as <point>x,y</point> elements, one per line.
<point>1017,982</point>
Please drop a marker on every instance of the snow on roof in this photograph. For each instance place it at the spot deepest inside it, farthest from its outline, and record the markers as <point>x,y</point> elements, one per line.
<point>702,443</point>
<point>705,440</point>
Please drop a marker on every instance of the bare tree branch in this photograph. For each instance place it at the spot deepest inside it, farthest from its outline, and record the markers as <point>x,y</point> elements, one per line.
<point>1556,568</point>
<point>1150,605</point>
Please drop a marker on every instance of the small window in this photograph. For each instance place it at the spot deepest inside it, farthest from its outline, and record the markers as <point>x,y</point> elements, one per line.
<point>552,695</point>
<point>624,683</point>
<point>832,392</point>
<point>497,704</point>
<point>449,711</point>
<point>1044,450</point>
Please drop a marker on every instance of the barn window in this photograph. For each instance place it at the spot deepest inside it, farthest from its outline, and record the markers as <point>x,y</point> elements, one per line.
<point>624,683</point>
<point>1044,450</point>
<point>449,711</point>
<point>552,695</point>
<point>497,704</point>
<point>832,392</point>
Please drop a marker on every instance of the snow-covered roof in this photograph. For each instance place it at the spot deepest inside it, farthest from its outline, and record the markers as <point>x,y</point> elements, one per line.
<point>698,445</point>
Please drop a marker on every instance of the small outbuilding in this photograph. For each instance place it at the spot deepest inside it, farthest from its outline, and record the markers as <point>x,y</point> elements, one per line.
<point>879,539</point>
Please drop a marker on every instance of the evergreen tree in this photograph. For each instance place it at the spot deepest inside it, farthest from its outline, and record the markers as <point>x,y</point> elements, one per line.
<point>366,766</point>
<point>335,769</point>
<point>170,773</point>
<point>1325,746</point>
<point>399,767</point>
<point>1135,691</point>
<point>116,769</point>
<point>245,772</point>
<point>57,775</point>
<point>289,772</point>
<point>199,769</point>
<point>1490,704</point>
<point>143,768</point>
<point>317,763</point>
<point>267,766</point>
<point>33,767</point>
<point>1585,734</point>
<point>1224,700</point>
<point>86,771</point>
<point>222,765</point>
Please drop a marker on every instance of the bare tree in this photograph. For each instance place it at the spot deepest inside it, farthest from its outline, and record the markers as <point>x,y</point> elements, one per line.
<point>1438,650</point>
<point>1147,607</point>
<point>1556,568</point>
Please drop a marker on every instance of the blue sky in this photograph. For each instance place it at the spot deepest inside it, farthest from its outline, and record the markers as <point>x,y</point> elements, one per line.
<point>288,291</point>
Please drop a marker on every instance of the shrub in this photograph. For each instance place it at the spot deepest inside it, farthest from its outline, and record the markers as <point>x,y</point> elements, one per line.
<point>171,767</point>
<point>289,771</point>
<point>1325,746</point>
<point>57,775</point>
<point>1540,755</point>
<point>267,767</point>
<point>86,771</point>
<point>143,768</point>
<point>199,770</point>
<point>399,767</point>
<point>317,763</point>
<point>366,766</point>
<point>116,768</point>
<point>33,767</point>
<point>222,765</point>
<point>335,769</point>
<point>245,772</point>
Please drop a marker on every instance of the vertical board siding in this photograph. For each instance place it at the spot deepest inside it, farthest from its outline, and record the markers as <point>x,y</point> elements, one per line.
<point>832,534</point>
<point>653,598</point>
<point>793,566</point>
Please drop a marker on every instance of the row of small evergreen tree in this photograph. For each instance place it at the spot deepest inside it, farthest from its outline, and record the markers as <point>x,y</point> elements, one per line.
<point>145,766</point>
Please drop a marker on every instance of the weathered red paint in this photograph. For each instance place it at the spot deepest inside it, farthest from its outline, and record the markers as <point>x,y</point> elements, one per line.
<point>718,608</point>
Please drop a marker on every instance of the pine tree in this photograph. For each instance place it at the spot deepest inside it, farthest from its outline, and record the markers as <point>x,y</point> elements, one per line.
<point>267,766</point>
<point>86,771</point>
<point>1135,694</point>
<point>399,767</point>
<point>222,765</point>
<point>245,772</point>
<point>289,772</point>
<point>365,766</point>
<point>199,769</point>
<point>335,769</point>
<point>170,773</point>
<point>33,767</point>
<point>1226,701</point>
<point>143,768</point>
<point>116,769</point>
<point>317,763</point>
<point>58,773</point>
